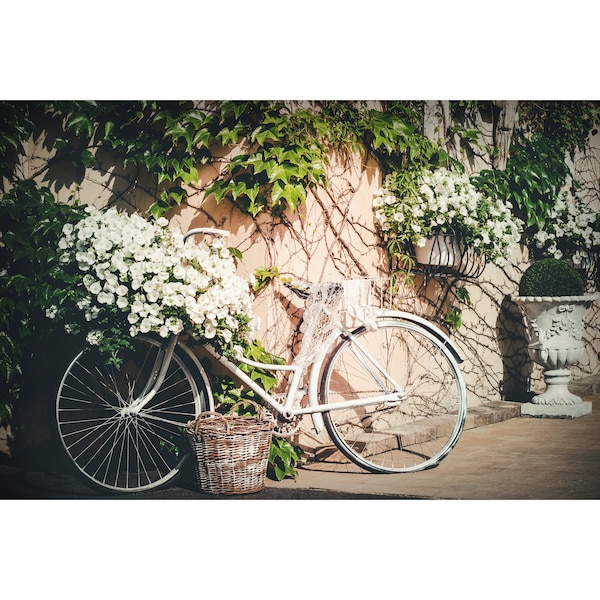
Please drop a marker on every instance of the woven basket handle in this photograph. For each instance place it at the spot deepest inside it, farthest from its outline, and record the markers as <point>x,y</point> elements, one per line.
<point>211,414</point>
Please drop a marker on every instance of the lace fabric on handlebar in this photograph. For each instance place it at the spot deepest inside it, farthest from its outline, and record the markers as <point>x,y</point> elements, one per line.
<point>320,322</point>
<point>330,306</point>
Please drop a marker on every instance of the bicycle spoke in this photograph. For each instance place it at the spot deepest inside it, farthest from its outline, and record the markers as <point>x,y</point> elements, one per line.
<point>410,434</point>
<point>112,446</point>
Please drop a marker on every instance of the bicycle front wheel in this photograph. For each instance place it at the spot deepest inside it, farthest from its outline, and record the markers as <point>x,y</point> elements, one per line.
<point>120,450</point>
<point>404,432</point>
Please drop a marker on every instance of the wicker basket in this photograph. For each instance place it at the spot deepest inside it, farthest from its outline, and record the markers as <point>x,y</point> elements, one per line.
<point>231,451</point>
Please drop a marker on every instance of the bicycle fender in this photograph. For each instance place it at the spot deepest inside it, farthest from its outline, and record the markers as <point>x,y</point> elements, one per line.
<point>430,327</point>
<point>313,394</point>
<point>201,371</point>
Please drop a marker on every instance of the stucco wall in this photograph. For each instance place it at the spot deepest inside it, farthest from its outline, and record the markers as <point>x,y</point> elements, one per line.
<point>333,234</point>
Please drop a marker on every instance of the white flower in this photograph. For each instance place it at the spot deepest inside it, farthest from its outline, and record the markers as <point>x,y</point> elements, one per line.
<point>140,273</point>
<point>94,288</point>
<point>570,226</point>
<point>94,337</point>
<point>448,202</point>
<point>122,302</point>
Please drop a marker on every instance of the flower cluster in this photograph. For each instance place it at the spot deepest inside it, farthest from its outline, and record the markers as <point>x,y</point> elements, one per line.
<point>445,201</point>
<point>570,230</point>
<point>129,275</point>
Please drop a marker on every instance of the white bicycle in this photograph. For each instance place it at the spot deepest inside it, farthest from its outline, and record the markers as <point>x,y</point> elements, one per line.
<point>385,384</point>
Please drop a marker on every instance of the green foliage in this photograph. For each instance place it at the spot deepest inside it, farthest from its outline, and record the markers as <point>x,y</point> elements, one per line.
<point>272,152</point>
<point>551,277</point>
<point>165,138</point>
<point>281,156</point>
<point>278,153</point>
<point>15,128</point>
<point>537,168</point>
<point>283,458</point>
<point>264,377</point>
<point>405,184</point>
<point>568,124</point>
<point>32,224</point>
<point>262,277</point>
<point>454,317</point>
<point>535,173</point>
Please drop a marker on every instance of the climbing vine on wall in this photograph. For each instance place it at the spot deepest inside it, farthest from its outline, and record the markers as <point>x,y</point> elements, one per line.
<point>270,153</point>
<point>545,136</point>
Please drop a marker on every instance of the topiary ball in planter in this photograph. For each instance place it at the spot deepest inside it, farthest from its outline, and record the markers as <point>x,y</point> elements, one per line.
<point>551,277</point>
<point>551,295</point>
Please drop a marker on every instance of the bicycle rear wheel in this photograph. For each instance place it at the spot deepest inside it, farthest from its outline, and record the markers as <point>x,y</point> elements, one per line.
<point>399,435</point>
<point>121,451</point>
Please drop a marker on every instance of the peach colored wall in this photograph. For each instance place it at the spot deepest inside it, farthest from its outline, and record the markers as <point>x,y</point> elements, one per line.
<point>333,234</point>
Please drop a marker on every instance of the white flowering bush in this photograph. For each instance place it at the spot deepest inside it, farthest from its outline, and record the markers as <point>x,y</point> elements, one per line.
<point>125,275</point>
<point>410,207</point>
<point>571,229</point>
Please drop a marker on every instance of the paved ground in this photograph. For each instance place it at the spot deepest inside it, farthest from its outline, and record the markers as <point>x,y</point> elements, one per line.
<point>520,458</point>
<point>517,458</point>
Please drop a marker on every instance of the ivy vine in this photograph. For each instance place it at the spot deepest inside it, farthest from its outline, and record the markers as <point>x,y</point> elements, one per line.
<point>547,134</point>
<point>271,153</point>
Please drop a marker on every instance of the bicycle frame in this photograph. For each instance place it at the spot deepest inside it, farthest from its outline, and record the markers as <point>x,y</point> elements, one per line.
<point>289,408</point>
<point>315,409</point>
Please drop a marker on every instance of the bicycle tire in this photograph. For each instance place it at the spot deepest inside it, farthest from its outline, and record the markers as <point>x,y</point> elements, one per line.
<point>401,436</point>
<point>123,452</point>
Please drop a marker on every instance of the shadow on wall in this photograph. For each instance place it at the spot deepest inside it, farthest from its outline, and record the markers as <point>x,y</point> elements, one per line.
<point>517,367</point>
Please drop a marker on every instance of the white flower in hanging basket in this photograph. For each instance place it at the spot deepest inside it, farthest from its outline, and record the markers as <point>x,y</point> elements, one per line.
<point>443,201</point>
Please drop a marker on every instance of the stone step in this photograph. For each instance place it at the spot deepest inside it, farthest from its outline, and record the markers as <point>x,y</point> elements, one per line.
<point>491,412</point>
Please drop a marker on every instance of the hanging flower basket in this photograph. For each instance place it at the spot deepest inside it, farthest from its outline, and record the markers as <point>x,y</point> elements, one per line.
<point>440,250</point>
<point>448,254</point>
<point>414,204</point>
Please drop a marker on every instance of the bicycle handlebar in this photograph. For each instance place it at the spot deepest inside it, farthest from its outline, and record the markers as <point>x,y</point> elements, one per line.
<point>205,231</point>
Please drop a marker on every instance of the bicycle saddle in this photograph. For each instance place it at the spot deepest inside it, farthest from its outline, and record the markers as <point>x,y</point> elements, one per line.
<point>303,289</point>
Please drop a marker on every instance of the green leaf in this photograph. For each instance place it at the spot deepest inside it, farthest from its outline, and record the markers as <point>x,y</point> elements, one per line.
<point>190,176</point>
<point>229,135</point>
<point>236,253</point>
<point>156,210</point>
<point>81,124</point>
<point>20,282</point>
<point>109,127</point>
<point>164,176</point>
<point>177,194</point>
<point>87,158</point>
<point>60,143</point>
<point>175,131</point>
<point>261,135</point>
<point>219,189</point>
<point>293,194</point>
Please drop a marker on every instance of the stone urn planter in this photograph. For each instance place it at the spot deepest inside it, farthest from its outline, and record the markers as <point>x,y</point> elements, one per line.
<point>555,325</point>
<point>551,296</point>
